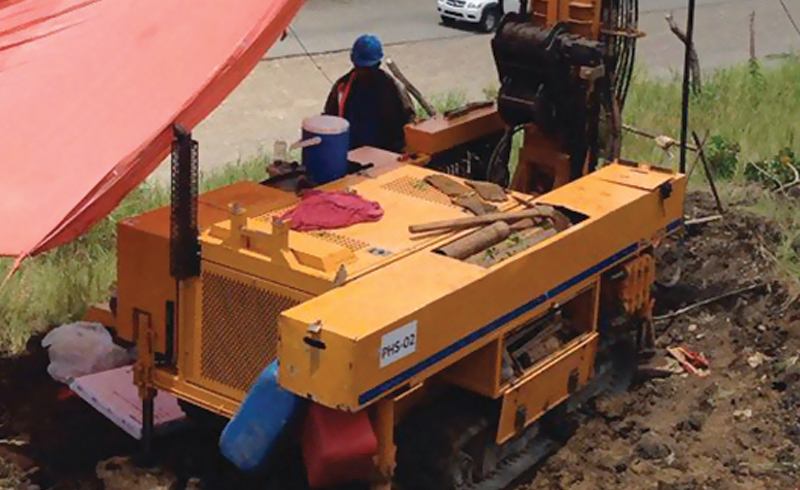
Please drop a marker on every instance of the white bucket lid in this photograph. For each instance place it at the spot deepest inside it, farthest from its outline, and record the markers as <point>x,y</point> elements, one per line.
<point>323,124</point>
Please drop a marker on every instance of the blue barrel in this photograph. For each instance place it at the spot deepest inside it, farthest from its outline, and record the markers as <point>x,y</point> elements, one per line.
<point>326,161</point>
<point>250,436</point>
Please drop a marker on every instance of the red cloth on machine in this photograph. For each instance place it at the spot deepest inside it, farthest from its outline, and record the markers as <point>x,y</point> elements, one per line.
<point>328,210</point>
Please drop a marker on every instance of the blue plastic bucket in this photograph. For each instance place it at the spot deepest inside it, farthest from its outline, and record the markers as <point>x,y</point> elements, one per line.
<point>250,436</point>
<point>326,161</point>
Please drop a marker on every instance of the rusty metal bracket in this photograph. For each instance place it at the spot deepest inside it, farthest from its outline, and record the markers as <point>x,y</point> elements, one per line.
<point>143,377</point>
<point>629,33</point>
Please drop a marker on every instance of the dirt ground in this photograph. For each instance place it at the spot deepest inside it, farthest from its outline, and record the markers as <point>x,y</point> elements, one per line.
<point>738,428</point>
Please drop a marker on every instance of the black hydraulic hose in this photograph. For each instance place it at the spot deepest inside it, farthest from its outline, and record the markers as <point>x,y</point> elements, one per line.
<point>502,152</point>
<point>628,73</point>
<point>619,24</point>
<point>630,21</point>
<point>632,42</point>
<point>623,17</point>
<point>494,160</point>
<point>615,22</point>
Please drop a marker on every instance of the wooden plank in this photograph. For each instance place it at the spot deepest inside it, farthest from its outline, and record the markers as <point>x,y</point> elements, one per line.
<point>486,219</point>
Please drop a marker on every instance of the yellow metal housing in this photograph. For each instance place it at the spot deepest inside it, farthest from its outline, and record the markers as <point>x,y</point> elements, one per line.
<point>370,312</point>
<point>457,308</point>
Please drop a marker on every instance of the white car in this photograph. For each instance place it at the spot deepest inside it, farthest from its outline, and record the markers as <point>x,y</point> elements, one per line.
<point>485,13</point>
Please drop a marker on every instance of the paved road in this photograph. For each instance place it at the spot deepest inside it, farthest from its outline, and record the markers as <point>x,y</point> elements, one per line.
<point>722,33</point>
<point>325,26</point>
<point>331,25</point>
<point>273,100</point>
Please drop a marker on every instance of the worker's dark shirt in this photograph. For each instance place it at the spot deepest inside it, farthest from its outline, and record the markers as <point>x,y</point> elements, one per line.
<point>376,107</point>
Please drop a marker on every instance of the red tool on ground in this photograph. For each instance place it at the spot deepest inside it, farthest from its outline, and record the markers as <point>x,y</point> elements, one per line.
<point>693,362</point>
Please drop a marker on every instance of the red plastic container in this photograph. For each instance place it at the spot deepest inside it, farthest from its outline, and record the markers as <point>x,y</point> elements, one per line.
<point>338,447</point>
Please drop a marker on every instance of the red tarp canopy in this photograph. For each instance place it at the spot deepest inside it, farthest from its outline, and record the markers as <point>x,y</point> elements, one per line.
<point>89,91</point>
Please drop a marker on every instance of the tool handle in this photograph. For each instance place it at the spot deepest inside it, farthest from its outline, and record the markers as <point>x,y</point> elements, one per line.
<point>316,140</point>
<point>486,219</point>
<point>410,87</point>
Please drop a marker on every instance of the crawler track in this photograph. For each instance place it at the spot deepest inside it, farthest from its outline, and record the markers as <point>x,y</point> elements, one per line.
<point>449,445</point>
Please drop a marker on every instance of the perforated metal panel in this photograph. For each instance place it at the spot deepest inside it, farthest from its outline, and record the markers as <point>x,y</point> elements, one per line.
<point>239,332</point>
<point>418,189</point>
<point>353,244</point>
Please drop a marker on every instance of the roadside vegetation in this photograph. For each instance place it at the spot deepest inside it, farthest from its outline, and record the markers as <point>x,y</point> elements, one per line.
<point>751,107</point>
<point>57,286</point>
<point>748,114</point>
<point>748,117</point>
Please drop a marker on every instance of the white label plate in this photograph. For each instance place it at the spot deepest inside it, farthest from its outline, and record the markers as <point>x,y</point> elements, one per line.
<point>398,344</point>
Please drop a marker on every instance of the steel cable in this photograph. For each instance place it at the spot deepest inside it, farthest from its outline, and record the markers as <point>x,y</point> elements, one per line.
<point>308,54</point>
<point>791,18</point>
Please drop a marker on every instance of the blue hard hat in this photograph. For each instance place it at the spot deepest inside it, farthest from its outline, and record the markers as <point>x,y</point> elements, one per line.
<point>367,51</point>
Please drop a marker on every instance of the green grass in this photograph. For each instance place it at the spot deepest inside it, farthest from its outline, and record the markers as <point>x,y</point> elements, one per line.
<point>752,108</point>
<point>443,102</point>
<point>750,114</point>
<point>57,286</point>
<point>784,215</point>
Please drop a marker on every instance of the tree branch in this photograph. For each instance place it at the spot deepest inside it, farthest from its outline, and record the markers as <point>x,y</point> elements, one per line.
<point>694,67</point>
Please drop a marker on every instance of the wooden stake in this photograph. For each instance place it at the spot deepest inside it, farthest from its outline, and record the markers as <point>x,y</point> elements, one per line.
<point>753,37</point>
<point>694,62</point>
<point>709,176</point>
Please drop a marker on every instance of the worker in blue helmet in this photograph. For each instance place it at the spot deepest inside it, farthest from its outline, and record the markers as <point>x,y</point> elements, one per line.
<point>376,106</point>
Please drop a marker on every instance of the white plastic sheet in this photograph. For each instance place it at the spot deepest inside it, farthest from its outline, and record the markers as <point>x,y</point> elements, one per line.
<point>82,348</point>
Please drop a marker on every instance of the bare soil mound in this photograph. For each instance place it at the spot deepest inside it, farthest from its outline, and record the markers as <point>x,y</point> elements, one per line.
<point>738,428</point>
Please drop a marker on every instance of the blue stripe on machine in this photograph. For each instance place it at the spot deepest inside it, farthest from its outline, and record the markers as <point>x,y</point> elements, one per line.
<point>675,224</point>
<point>499,322</point>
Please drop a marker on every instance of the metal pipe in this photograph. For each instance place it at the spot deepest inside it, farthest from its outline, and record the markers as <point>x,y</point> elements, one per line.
<point>686,75</point>
<point>387,451</point>
<point>148,423</point>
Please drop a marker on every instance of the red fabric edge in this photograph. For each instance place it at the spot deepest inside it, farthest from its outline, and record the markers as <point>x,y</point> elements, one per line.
<point>112,189</point>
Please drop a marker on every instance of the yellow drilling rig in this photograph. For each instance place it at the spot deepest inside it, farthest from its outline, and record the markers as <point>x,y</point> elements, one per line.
<point>433,348</point>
